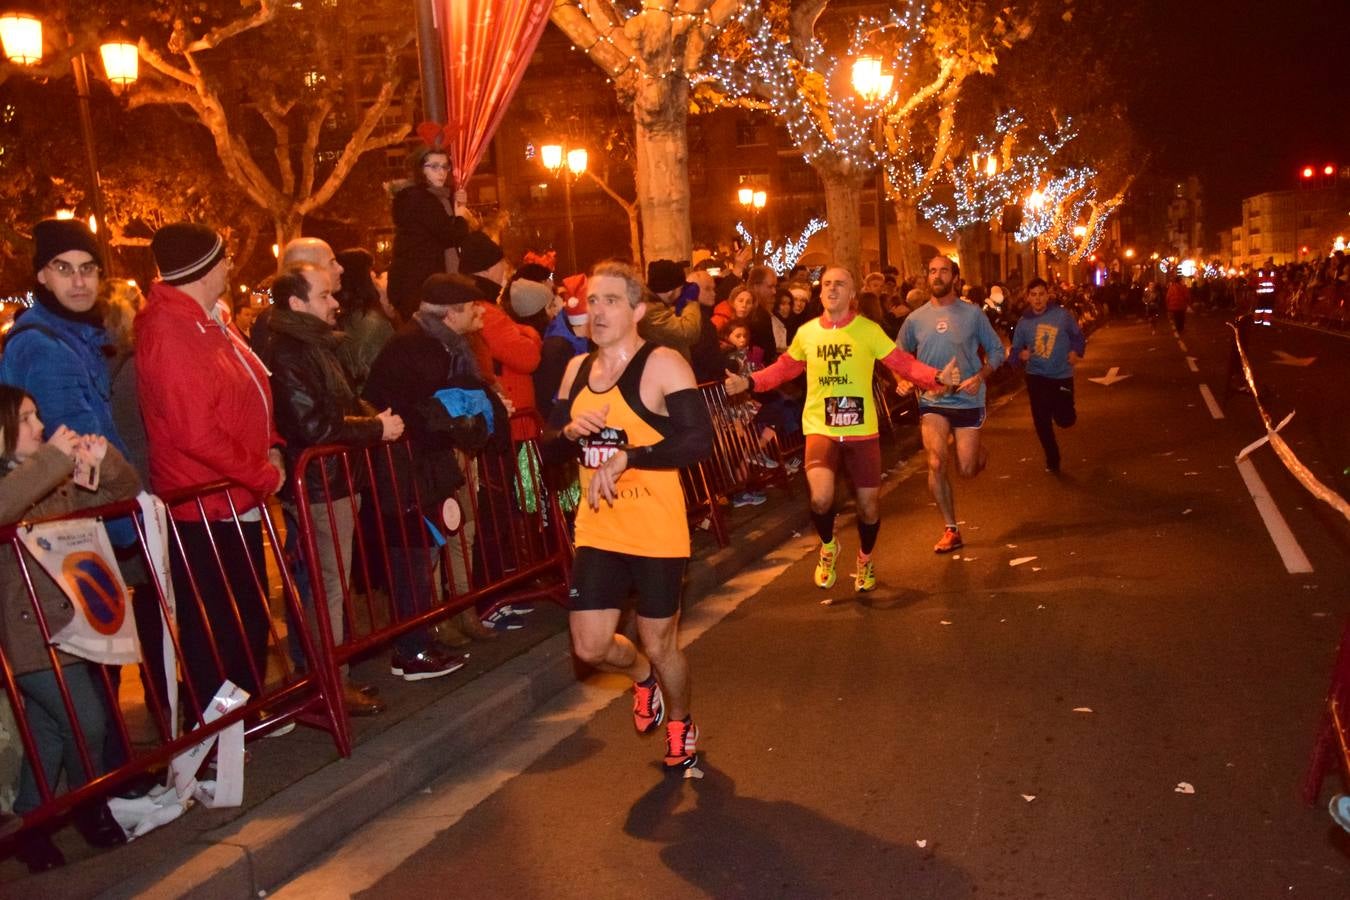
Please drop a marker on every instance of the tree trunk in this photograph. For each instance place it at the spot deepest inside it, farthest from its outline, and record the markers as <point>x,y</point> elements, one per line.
<point>287,224</point>
<point>635,235</point>
<point>843,208</point>
<point>660,111</point>
<point>972,245</point>
<point>905,255</point>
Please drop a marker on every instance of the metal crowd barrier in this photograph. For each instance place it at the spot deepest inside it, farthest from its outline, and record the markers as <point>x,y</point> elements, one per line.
<point>511,543</point>
<point>223,606</point>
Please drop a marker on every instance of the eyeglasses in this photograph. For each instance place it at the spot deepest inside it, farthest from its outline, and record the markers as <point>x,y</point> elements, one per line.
<point>66,270</point>
<point>439,167</point>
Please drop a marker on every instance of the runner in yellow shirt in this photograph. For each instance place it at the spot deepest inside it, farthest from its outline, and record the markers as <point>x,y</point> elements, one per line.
<point>838,353</point>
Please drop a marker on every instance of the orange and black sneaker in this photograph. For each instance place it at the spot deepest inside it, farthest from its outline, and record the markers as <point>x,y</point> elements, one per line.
<point>649,710</point>
<point>681,744</point>
<point>950,540</point>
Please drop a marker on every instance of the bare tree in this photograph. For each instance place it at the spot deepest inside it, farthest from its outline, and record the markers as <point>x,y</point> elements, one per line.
<point>288,176</point>
<point>650,51</point>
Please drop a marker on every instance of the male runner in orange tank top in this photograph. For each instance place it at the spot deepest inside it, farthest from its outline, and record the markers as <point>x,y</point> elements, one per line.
<point>635,410</point>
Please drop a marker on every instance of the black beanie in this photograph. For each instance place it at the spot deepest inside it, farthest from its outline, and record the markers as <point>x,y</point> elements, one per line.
<point>664,275</point>
<point>52,237</point>
<point>534,272</point>
<point>185,251</point>
<point>447,290</point>
<point>478,253</point>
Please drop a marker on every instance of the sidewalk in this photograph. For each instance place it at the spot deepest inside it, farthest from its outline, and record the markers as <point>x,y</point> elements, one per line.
<point>300,798</point>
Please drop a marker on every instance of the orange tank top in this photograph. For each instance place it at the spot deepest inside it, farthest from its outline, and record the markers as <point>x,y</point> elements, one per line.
<point>648,517</point>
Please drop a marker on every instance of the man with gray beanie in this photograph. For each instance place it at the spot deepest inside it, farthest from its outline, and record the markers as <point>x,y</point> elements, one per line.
<point>208,416</point>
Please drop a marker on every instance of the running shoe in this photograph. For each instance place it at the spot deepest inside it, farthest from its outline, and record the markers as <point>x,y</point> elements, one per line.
<point>748,498</point>
<point>649,710</point>
<point>950,540</point>
<point>825,568</point>
<point>504,620</point>
<point>681,744</point>
<point>865,578</point>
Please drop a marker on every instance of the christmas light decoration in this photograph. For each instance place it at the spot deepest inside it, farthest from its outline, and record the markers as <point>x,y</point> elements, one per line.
<point>784,257</point>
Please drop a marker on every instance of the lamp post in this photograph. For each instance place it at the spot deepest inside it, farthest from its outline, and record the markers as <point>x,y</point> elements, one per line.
<point>1035,202</point>
<point>874,86</point>
<point>21,39</point>
<point>568,164</point>
<point>753,201</point>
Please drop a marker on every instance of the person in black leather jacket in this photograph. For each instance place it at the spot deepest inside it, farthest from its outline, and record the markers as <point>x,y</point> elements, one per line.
<point>316,405</point>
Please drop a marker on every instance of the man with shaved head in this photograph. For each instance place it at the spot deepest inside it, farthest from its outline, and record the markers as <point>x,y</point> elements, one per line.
<point>838,353</point>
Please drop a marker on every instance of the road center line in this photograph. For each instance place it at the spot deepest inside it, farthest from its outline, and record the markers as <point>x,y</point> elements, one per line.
<point>1182,345</point>
<point>1213,404</point>
<point>1190,362</point>
<point>1291,554</point>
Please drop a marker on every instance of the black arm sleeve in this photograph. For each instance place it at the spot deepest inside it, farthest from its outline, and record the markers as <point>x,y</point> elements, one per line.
<point>689,440</point>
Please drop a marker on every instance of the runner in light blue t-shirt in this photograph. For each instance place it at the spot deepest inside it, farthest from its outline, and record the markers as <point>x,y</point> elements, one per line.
<point>942,329</point>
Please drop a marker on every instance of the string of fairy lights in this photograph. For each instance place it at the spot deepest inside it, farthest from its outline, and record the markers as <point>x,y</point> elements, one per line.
<point>822,119</point>
<point>782,258</point>
<point>828,122</point>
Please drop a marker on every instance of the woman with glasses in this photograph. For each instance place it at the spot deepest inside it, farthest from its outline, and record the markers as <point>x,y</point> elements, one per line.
<point>425,228</point>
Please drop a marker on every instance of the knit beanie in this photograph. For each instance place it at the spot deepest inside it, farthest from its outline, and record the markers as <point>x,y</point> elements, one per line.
<point>52,237</point>
<point>533,271</point>
<point>664,275</point>
<point>478,253</point>
<point>185,251</point>
<point>529,297</point>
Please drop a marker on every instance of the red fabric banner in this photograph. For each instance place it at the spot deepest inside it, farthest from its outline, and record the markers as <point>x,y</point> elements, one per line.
<point>488,44</point>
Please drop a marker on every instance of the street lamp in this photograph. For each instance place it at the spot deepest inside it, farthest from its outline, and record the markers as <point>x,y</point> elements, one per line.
<point>553,156</point>
<point>874,85</point>
<point>1035,201</point>
<point>754,202</point>
<point>21,40</point>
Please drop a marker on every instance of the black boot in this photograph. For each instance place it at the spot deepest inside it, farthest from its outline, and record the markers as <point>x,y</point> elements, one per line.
<point>95,821</point>
<point>38,853</point>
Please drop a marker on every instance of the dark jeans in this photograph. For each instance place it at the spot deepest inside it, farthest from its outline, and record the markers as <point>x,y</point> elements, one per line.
<point>56,745</point>
<point>412,593</point>
<point>1051,404</point>
<point>241,652</point>
<point>1179,320</point>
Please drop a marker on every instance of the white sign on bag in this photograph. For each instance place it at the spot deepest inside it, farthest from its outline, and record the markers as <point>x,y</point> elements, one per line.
<point>78,556</point>
<point>155,517</point>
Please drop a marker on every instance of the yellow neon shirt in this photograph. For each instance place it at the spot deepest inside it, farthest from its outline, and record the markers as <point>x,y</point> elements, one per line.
<point>839,367</point>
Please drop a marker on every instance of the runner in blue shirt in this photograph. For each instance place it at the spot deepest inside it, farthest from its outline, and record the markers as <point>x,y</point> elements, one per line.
<point>943,328</point>
<point>1050,343</point>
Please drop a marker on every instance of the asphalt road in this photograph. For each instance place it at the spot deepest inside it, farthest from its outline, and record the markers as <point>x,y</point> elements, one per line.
<point>974,728</point>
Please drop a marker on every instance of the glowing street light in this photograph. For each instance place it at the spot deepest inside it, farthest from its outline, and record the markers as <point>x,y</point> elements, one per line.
<point>759,199</point>
<point>874,85</point>
<point>21,38</point>
<point>1308,172</point>
<point>1328,170</point>
<point>576,160</point>
<point>1129,253</point>
<point>746,196</point>
<point>551,155</point>
<point>121,62</point>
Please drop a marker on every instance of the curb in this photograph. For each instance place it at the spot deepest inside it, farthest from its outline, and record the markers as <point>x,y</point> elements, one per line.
<point>282,835</point>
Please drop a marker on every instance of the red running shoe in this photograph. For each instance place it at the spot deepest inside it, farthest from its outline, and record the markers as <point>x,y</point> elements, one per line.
<point>681,744</point>
<point>648,709</point>
<point>950,540</point>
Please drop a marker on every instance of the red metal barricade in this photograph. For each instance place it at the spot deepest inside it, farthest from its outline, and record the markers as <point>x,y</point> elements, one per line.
<point>1331,748</point>
<point>407,567</point>
<point>222,574</point>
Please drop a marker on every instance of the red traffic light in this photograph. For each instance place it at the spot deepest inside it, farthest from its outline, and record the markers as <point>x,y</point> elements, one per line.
<point>1307,171</point>
<point>1329,169</point>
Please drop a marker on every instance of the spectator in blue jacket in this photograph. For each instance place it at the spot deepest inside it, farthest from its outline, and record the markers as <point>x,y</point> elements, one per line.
<point>1048,341</point>
<point>55,350</point>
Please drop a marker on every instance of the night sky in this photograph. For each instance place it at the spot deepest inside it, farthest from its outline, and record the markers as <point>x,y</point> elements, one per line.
<point>1242,93</point>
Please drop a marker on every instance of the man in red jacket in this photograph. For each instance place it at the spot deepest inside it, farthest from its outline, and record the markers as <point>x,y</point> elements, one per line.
<point>208,408</point>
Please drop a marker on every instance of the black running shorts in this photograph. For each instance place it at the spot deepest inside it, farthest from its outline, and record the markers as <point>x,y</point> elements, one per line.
<point>604,579</point>
<point>963,417</point>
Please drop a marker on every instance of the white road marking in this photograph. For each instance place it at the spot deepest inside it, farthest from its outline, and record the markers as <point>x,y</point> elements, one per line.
<point>1213,404</point>
<point>1291,554</point>
<point>386,842</point>
<point>1190,362</point>
<point>1182,345</point>
<point>1111,377</point>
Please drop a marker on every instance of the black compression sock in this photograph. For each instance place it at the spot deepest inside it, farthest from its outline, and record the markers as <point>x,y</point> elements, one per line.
<point>824,523</point>
<point>867,536</point>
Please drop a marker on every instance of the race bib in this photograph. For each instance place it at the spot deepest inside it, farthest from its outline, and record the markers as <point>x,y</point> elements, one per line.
<point>843,412</point>
<point>597,448</point>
